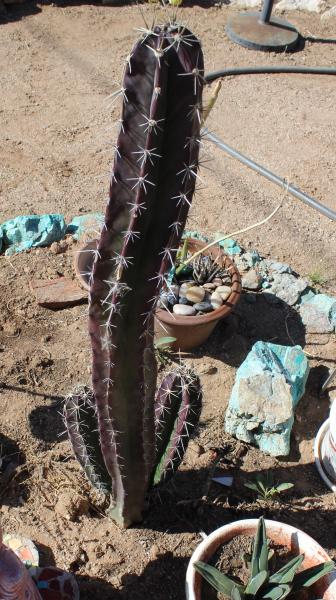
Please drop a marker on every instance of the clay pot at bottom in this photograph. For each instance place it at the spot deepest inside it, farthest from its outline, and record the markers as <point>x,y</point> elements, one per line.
<point>191,332</point>
<point>281,534</point>
<point>15,581</point>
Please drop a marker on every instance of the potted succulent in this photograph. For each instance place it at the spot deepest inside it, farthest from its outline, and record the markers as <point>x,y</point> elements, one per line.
<point>307,571</point>
<point>201,293</point>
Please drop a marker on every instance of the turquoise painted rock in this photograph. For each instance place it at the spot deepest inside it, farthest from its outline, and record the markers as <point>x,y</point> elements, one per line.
<point>86,225</point>
<point>229,245</point>
<point>319,314</point>
<point>23,233</point>
<point>269,384</point>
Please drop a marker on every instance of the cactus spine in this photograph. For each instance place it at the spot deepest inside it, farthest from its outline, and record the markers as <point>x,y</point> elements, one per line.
<point>151,188</point>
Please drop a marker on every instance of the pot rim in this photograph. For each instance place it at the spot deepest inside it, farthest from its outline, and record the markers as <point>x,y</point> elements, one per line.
<point>318,458</point>
<point>243,527</point>
<point>169,318</point>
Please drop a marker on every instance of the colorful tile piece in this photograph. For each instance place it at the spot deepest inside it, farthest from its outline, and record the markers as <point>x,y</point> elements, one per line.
<point>24,548</point>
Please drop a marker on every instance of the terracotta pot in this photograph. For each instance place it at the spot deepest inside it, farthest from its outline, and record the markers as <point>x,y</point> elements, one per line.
<point>295,540</point>
<point>190,332</point>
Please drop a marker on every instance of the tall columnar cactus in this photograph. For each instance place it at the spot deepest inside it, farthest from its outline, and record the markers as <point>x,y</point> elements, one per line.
<point>140,440</point>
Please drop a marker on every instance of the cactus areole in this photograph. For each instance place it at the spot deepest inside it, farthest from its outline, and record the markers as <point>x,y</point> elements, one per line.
<point>141,437</point>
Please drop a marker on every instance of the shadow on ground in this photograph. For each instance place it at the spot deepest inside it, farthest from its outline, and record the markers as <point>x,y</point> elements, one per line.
<point>13,472</point>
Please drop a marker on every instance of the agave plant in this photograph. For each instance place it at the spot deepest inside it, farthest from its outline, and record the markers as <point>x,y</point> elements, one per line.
<point>262,584</point>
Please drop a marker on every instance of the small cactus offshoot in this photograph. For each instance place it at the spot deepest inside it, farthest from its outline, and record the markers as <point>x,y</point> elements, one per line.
<point>262,584</point>
<point>125,440</point>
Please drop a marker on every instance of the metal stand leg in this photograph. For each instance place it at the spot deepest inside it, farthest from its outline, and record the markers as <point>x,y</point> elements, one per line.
<point>260,31</point>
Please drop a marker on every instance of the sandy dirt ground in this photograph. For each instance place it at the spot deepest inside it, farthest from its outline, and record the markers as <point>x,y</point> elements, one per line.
<point>58,66</point>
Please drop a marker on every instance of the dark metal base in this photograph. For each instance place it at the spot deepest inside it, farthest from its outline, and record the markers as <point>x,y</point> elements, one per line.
<point>247,30</point>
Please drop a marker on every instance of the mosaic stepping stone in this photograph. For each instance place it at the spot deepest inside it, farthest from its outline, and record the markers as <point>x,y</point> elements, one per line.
<point>54,584</point>
<point>24,548</point>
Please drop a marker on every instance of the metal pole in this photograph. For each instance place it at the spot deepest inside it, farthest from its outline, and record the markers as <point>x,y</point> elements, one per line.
<point>324,210</point>
<point>266,12</point>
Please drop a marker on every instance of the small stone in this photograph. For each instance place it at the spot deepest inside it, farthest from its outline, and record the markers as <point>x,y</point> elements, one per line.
<point>203,306</point>
<point>210,286</point>
<point>172,298</point>
<point>185,286</point>
<point>224,291</point>
<point>183,300</point>
<point>208,370</point>
<point>217,281</point>
<point>183,310</point>
<point>58,247</point>
<point>195,294</point>
<point>252,280</point>
<point>319,314</point>
<point>57,293</point>
<point>216,300</point>
<point>288,288</point>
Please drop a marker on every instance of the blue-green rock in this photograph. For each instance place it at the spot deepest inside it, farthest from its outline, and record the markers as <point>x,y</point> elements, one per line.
<point>31,231</point>
<point>269,384</point>
<point>229,245</point>
<point>319,314</point>
<point>1,238</point>
<point>89,225</point>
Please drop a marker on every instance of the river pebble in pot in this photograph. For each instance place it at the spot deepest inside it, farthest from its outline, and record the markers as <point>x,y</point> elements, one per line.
<point>216,300</point>
<point>185,286</point>
<point>217,281</point>
<point>224,291</point>
<point>184,310</point>
<point>195,294</point>
<point>203,307</point>
<point>210,286</point>
<point>183,300</point>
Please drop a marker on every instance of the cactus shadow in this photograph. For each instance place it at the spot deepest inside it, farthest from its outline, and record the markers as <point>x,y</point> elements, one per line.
<point>12,472</point>
<point>162,579</point>
<point>257,317</point>
<point>46,423</point>
<point>16,12</point>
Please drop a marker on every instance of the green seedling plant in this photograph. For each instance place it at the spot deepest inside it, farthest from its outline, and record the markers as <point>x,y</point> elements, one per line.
<point>287,582</point>
<point>266,489</point>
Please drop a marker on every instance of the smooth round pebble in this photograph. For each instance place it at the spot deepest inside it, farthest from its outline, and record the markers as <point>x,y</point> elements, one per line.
<point>217,281</point>
<point>183,300</point>
<point>224,291</point>
<point>216,300</point>
<point>195,294</point>
<point>203,306</point>
<point>172,298</point>
<point>209,286</point>
<point>183,310</point>
<point>185,286</point>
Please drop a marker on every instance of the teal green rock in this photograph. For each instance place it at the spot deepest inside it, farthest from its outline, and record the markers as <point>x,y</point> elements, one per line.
<point>31,231</point>
<point>1,238</point>
<point>89,225</point>
<point>319,314</point>
<point>269,384</point>
<point>229,245</point>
